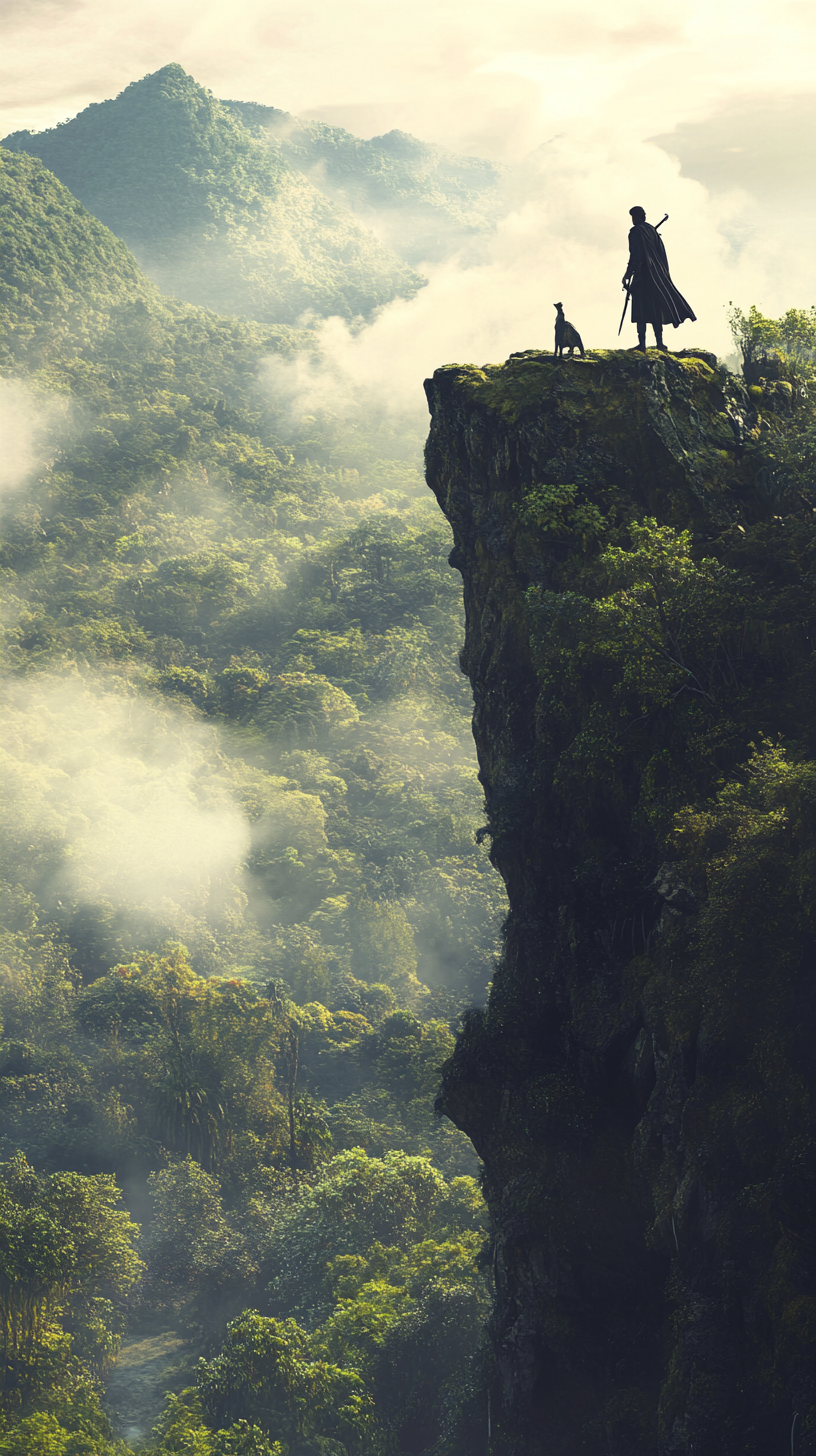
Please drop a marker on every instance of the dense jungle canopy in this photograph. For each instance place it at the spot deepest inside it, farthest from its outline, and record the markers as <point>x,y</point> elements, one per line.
<point>243,901</point>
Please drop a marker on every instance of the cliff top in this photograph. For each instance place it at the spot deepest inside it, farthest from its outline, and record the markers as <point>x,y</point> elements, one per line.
<point>675,425</point>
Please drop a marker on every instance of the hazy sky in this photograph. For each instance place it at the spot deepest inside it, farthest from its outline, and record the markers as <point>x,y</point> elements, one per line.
<point>486,76</point>
<point>727,85</point>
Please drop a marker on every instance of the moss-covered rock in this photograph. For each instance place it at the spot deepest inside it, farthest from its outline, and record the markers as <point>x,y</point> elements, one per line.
<point>640,1086</point>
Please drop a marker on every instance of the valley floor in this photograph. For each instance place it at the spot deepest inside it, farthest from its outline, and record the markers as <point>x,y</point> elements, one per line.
<point>151,1362</point>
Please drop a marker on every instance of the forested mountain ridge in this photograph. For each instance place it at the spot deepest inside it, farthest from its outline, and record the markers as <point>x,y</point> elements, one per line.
<point>57,256</point>
<point>636,539</point>
<point>426,201</point>
<point>212,215</point>
<point>242,902</point>
<point>79,312</point>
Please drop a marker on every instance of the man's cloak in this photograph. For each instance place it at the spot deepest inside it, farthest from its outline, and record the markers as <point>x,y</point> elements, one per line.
<point>655,300</point>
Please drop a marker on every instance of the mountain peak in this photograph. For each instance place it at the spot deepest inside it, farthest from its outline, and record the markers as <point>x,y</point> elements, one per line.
<point>173,70</point>
<point>212,214</point>
<point>169,83</point>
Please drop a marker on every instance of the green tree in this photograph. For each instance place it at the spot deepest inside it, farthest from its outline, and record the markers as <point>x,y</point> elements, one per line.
<point>38,1262</point>
<point>73,1424</point>
<point>384,945</point>
<point>182,1430</point>
<point>353,1203</point>
<point>37,1435</point>
<point>264,1374</point>
<point>409,1054</point>
<point>67,1261</point>
<point>187,1206</point>
<point>768,345</point>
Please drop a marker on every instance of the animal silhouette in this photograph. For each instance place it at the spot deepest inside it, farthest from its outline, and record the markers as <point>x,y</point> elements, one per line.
<point>566,337</point>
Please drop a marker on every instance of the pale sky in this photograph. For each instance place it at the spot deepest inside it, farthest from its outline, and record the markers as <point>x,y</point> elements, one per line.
<point>570,93</point>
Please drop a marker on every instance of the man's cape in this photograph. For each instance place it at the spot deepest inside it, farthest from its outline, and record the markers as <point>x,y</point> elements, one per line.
<point>654,297</point>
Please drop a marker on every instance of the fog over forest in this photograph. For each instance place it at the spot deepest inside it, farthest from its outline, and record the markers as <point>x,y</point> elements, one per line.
<point>248,901</point>
<point>245,904</point>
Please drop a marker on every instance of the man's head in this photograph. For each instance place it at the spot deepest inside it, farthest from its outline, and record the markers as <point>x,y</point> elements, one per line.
<point>637,215</point>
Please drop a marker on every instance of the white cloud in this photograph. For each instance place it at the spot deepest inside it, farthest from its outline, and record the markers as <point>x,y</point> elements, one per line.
<point>123,798</point>
<point>445,70</point>
<point>27,425</point>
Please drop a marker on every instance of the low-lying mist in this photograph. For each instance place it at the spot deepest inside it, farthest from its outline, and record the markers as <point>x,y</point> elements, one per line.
<point>113,796</point>
<point>32,424</point>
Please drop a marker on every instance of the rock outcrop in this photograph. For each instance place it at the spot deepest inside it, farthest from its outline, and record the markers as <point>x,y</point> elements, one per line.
<point>640,1086</point>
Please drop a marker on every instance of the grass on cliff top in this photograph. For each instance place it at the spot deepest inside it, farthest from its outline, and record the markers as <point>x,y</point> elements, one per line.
<point>515,385</point>
<point>663,417</point>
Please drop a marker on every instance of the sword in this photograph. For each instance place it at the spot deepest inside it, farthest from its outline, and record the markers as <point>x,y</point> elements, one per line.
<point>625,306</point>
<point>663,219</point>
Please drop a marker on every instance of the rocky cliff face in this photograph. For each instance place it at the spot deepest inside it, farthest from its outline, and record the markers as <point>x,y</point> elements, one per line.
<point>640,1087</point>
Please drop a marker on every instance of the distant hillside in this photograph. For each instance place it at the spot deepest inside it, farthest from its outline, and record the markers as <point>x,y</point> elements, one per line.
<point>211,215</point>
<point>424,201</point>
<point>75,303</point>
<point>56,259</point>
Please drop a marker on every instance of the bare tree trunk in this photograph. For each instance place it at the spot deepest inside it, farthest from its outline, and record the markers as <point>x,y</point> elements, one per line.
<point>293,1072</point>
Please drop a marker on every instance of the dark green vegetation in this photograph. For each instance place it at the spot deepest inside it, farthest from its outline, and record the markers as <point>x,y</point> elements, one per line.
<point>636,537</point>
<point>213,214</point>
<point>66,1264</point>
<point>243,904</point>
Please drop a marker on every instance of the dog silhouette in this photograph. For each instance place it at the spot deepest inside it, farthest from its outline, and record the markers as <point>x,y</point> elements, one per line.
<point>566,337</point>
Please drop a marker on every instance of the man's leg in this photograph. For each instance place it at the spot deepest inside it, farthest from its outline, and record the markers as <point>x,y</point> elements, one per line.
<point>658,333</point>
<point>641,343</point>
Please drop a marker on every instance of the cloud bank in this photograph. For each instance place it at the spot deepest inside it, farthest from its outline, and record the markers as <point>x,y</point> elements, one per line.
<point>472,74</point>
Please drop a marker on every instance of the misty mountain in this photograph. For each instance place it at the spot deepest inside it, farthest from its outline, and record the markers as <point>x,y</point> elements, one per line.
<point>75,303</point>
<point>426,202</point>
<point>213,216</point>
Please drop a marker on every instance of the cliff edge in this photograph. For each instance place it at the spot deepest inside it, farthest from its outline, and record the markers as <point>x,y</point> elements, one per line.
<point>638,579</point>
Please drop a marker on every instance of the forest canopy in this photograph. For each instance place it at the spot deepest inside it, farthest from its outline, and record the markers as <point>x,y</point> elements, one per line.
<point>243,903</point>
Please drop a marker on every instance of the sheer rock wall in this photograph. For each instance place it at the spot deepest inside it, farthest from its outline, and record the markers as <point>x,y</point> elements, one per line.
<point>650,1199</point>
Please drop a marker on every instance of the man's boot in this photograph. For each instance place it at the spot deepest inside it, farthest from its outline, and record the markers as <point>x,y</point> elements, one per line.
<point>641,343</point>
<point>658,333</point>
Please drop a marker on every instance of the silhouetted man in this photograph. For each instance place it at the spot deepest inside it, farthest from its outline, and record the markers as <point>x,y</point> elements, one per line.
<point>655,300</point>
